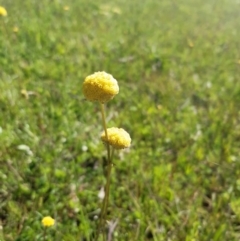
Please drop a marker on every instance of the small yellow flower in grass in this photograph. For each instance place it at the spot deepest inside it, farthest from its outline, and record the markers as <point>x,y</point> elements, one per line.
<point>3,11</point>
<point>15,29</point>
<point>117,138</point>
<point>100,86</point>
<point>48,221</point>
<point>190,43</point>
<point>66,8</point>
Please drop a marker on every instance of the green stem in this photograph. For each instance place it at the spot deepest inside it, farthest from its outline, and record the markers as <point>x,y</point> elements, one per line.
<point>44,234</point>
<point>106,188</point>
<point>105,130</point>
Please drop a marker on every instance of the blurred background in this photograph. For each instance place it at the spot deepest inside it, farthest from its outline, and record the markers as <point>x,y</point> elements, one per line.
<point>177,64</point>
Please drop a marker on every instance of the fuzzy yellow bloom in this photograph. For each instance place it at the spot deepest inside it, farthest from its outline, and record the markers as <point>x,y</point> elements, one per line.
<point>3,11</point>
<point>48,221</point>
<point>100,86</point>
<point>117,138</point>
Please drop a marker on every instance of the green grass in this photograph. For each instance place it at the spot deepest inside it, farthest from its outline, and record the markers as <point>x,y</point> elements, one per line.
<point>177,66</point>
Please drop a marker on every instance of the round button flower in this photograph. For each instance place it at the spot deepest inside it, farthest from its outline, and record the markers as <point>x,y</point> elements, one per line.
<point>100,86</point>
<point>3,11</point>
<point>48,221</point>
<point>118,138</point>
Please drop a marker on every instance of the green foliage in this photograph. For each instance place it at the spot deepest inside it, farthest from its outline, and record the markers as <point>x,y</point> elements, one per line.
<point>177,64</point>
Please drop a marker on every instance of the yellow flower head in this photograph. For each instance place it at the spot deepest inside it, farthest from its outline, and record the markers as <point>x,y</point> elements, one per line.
<point>117,138</point>
<point>3,11</point>
<point>48,221</point>
<point>100,86</point>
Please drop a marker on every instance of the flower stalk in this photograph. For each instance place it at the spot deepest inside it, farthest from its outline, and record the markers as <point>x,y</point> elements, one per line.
<point>47,222</point>
<point>106,188</point>
<point>102,87</point>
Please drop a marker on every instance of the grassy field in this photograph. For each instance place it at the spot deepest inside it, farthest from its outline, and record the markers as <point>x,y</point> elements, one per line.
<point>177,64</point>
